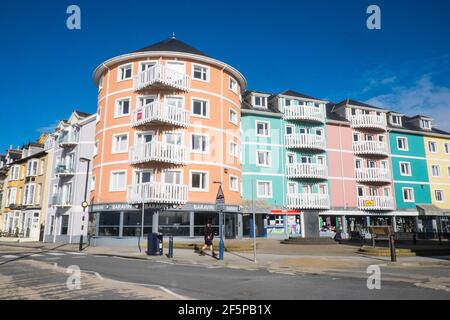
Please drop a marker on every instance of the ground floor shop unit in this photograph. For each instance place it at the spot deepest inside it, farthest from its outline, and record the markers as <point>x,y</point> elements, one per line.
<point>122,223</point>
<point>24,224</point>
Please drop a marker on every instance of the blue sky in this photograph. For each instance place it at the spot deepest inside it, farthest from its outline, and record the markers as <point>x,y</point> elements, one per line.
<point>321,48</point>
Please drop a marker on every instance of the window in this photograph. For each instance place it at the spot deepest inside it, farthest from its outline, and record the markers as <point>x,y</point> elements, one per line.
<point>435,170</point>
<point>32,168</point>
<point>233,116</point>
<point>233,85</point>
<point>262,129</point>
<point>199,181</point>
<point>432,146</point>
<point>289,129</point>
<point>92,183</point>
<point>117,181</point>
<point>405,168</point>
<point>292,188</point>
<point>28,196</point>
<point>355,137</point>
<point>447,148</point>
<point>41,167</point>
<point>439,195</point>
<point>396,120</point>
<point>425,124</point>
<point>402,143</point>
<point>234,183</point>
<point>290,158</point>
<point>263,158</point>
<point>125,72</point>
<point>200,108</point>
<point>260,102</point>
<point>146,65</point>
<point>64,224</point>
<point>12,196</point>
<point>15,171</point>
<point>264,189</point>
<point>120,143</point>
<point>408,194</point>
<point>233,149</point>
<point>122,107</point>
<point>175,138</point>
<point>173,176</point>
<point>95,148</point>
<point>38,194</point>
<point>199,143</point>
<point>200,72</point>
<point>100,83</point>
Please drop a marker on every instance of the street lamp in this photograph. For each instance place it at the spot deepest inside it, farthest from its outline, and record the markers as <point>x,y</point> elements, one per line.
<point>220,203</point>
<point>85,203</point>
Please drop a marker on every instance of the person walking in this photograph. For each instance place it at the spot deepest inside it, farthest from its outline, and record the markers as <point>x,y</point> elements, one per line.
<point>209,236</point>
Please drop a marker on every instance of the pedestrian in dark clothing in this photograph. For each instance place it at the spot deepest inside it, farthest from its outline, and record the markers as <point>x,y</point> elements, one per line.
<point>209,236</point>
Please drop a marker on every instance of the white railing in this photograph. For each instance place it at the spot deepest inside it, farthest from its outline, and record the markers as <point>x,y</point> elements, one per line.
<point>160,113</point>
<point>162,75</point>
<point>304,112</point>
<point>373,174</point>
<point>371,121</point>
<point>370,147</point>
<point>305,141</point>
<point>158,152</point>
<point>308,201</point>
<point>68,138</point>
<point>306,170</point>
<point>157,192</point>
<point>61,200</point>
<point>375,203</point>
<point>63,169</point>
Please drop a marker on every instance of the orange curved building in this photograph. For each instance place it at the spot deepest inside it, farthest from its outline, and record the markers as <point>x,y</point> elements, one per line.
<point>167,134</point>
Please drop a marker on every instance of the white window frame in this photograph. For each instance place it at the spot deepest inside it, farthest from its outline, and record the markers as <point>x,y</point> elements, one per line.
<point>111,180</point>
<point>425,121</point>
<point>164,172</point>
<point>28,198</point>
<point>268,158</point>
<point>114,146</point>
<point>406,148</point>
<point>207,107</point>
<point>230,118</point>
<point>119,72</point>
<point>268,128</point>
<point>154,62</point>
<point>235,189</point>
<point>447,148</point>
<point>408,164</point>
<point>438,170</point>
<point>191,188</point>
<point>9,196</point>
<point>208,72</point>
<point>442,195</point>
<point>15,173</point>
<point>230,149</point>
<point>30,172</point>
<point>206,144</point>
<point>263,99</point>
<point>270,189</point>
<point>41,167</point>
<point>435,146</point>
<point>412,194</point>
<point>233,84</point>
<point>100,83</point>
<point>399,123</point>
<point>118,105</point>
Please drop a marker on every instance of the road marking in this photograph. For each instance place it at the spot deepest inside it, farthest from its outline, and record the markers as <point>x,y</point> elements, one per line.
<point>52,259</point>
<point>10,256</point>
<point>56,254</point>
<point>77,253</point>
<point>37,255</point>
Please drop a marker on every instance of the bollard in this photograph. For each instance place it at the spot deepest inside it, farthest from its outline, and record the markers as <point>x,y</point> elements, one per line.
<point>170,246</point>
<point>392,247</point>
<point>221,248</point>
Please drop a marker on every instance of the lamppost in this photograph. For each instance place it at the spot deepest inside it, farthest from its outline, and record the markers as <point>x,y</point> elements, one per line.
<point>220,204</point>
<point>85,203</point>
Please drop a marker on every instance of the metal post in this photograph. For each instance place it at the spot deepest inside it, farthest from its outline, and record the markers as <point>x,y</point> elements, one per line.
<point>392,247</point>
<point>222,229</point>
<point>254,222</point>
<point>142,219</point>
<point>85,201</point>
<point>170,246</point>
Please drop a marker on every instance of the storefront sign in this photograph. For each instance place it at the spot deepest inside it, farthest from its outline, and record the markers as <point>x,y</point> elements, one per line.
<point>186,207</point>
<point>284,212</point>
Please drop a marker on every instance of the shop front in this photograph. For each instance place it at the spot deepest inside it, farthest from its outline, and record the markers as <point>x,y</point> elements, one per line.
<point>432,219</point>
<point>284,223</point>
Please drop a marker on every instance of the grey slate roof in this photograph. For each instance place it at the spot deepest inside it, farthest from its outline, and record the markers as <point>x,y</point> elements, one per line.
<point>333,115</point>
<point>410,126</point>
<point>293,93</point>
<point>358,104</point>
<point>82,114</point>
<point>171,44</point>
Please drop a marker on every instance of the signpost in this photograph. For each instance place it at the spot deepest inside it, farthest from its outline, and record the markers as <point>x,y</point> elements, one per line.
<point>220,206</point>
<point>383,232</point>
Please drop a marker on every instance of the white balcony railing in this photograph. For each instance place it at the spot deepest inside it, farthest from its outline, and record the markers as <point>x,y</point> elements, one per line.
<point>158,112</point>
<point>303,112</point>
<point>375,203</point>
<point>370,147</point>
<point>64,170</point>
<point>368,121</point>
<point>306,170</point>
<point>68,139</point>
<point>156,151</point>
<point>305,141</point>
<point>308,201</point>
<point>157,192</point>
<point>373,175</point>
<point>162,76</point>
<point>61,200</point>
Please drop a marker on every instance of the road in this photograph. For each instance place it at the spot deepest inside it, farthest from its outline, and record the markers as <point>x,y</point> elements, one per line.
<point>43,275</point>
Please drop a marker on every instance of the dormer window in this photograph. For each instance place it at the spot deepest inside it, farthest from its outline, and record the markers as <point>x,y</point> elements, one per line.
<point>260,102</point>
<point>396,120</point>
<point>425,124</point>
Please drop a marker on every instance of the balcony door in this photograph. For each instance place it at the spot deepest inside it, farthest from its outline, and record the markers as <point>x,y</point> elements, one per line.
<point>144,137</point>
<point>305,159</point>
<point>143,101</point>
<point>176,102</point>
<point>143,176</point>
<point>174,138</point>
<point>146,65</point>
<point>178,67</point>
<point>371,164</point>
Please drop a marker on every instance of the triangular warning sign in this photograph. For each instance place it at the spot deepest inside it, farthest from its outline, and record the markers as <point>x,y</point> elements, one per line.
<point>220,195</point>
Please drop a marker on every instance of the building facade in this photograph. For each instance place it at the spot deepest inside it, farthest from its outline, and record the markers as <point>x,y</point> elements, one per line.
<point>70,178</point>
<point>167,136</point>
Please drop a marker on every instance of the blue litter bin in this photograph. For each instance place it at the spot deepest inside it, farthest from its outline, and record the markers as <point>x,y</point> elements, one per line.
<point>154,244</point>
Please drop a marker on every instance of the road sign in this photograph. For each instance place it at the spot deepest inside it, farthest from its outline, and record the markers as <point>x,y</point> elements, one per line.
<point>220,200</point>
<point>84,205</point>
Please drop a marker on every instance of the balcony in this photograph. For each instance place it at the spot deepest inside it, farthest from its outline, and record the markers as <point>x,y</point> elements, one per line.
<point>373,175</point>
<point>161,76</point>
<point>160,113</point>
<point>156,151</point>
<point>306,171</point>
<point>375,203</point>
<point>157,192</point>
<point>304,113</point>
<point>375,148</point>
<point>63,170</point>
<point>61,201</point>
<point>68,139</point>
<point>308,201</point>
<point>305,141</point>
<point>368,121</point>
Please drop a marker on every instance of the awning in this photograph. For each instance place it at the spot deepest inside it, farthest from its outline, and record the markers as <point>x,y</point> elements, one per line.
<point>283,212</point>
<point>431,210</point>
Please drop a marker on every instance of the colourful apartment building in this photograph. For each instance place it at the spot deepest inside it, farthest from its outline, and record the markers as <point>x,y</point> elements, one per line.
<point>167,135</point>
